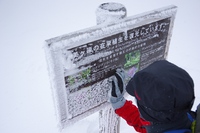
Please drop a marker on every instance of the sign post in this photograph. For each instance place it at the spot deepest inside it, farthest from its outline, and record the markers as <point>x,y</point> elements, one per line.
<point>81,62</point>
<point>106,13</point>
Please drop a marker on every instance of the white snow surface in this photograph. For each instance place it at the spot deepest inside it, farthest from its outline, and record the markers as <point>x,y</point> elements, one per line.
<point>25,96</point>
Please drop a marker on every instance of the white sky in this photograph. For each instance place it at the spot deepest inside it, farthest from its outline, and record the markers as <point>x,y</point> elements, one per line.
<point>25,95</point>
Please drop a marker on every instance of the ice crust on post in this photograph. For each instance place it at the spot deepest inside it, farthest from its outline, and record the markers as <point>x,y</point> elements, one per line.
<point>110,12</point>
<point>80,88</point>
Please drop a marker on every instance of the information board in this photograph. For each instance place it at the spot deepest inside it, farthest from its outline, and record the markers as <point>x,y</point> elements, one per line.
<point>80,63</point>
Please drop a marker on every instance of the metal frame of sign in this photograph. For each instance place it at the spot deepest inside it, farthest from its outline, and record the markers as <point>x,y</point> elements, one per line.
<point>81,62</point>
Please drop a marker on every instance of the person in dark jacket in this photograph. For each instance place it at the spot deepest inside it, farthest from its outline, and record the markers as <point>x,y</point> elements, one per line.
<point>164,94</point>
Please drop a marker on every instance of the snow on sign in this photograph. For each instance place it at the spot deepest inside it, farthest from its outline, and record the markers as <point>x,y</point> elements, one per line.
<point>81,62</point>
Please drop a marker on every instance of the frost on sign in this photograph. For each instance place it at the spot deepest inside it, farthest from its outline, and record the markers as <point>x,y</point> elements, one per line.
<point>81,62</point>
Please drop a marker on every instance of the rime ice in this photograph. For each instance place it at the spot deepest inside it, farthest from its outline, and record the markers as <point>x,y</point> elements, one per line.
<point>80,62</point>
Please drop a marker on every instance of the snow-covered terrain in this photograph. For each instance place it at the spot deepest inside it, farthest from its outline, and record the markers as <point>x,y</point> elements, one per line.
<point>25,96</point>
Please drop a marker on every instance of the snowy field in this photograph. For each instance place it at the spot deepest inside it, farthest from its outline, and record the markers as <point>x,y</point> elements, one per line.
<point>25,96</point>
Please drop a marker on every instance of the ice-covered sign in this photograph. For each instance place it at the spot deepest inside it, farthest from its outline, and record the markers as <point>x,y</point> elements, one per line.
<point>81,62</point>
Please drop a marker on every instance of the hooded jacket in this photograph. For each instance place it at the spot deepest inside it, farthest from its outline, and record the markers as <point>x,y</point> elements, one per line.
<point>164,93</point>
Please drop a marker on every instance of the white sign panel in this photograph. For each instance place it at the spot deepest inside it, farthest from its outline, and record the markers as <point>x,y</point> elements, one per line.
<point>81,62</point>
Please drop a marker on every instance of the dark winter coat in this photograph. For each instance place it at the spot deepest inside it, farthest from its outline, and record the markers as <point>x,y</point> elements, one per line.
<point>164,94</point>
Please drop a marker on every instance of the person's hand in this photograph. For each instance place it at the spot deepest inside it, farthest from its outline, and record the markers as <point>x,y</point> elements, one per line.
<point>116,93</point>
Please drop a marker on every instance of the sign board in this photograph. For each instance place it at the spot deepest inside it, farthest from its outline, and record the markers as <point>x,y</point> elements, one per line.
<point>81,62</point>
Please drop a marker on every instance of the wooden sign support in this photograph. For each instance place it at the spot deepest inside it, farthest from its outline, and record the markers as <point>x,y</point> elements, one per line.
<point>106,13</point>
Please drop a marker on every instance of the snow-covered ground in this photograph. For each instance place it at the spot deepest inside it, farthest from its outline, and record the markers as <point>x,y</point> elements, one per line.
<point>25,96</point>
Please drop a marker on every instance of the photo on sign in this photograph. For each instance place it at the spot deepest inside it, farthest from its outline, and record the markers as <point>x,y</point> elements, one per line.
<point>132,60</point>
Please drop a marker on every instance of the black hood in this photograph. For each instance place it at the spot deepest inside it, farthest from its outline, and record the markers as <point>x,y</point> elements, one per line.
<point>164,91</point>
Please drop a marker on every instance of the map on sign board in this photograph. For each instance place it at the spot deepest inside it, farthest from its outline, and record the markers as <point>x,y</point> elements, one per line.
<point>80,63</point>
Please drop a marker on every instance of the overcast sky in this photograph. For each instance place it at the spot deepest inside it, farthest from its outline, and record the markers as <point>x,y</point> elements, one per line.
<point>25,96</point>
